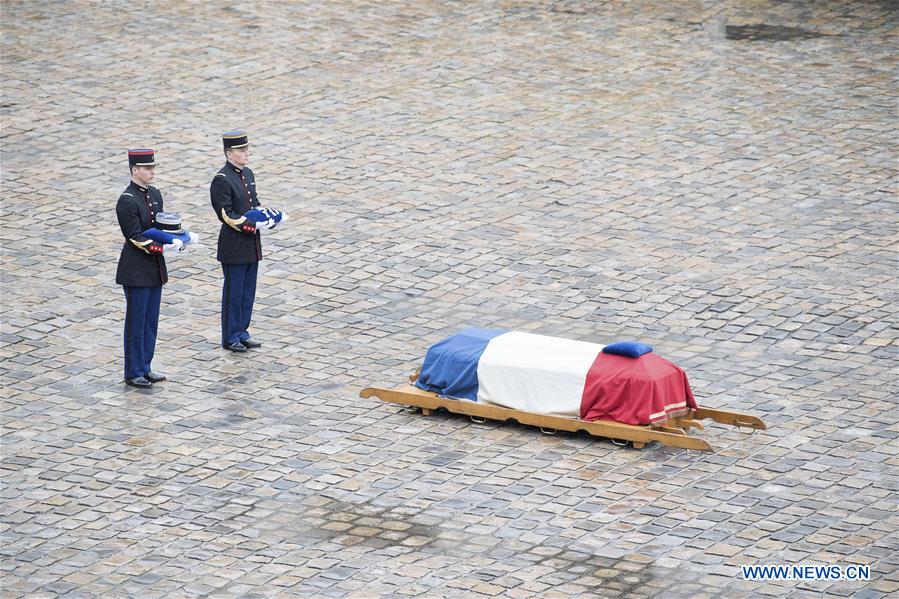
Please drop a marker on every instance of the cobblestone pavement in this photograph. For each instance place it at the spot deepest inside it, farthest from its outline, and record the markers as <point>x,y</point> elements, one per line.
<point>717,179</point>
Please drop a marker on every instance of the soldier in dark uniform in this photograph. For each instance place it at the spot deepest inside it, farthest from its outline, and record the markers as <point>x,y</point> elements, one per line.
<point>141,270</point>
<point>233,193</point>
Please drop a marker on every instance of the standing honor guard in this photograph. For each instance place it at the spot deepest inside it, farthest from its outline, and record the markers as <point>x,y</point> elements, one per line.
<point>141,270</point>
<point>233,194</point>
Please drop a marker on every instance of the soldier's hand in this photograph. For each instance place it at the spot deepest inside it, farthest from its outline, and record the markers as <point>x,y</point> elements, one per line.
<point>170,248</point>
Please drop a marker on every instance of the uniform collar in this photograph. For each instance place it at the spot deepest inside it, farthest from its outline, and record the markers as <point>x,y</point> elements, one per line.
<point>138,186</point>
<point>230,166</point>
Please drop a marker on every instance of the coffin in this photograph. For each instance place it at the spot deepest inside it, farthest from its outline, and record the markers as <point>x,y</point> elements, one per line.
<point>556,377</point>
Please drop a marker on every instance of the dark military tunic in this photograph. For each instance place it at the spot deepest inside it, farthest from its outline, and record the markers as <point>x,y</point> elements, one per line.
<point>141,263</point>
<point>233,192</point>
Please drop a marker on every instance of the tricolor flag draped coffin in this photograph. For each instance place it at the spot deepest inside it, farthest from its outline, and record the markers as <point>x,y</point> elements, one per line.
<point>554,376</point>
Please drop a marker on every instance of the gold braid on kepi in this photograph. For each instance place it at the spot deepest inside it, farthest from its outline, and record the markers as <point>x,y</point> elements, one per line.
<point>142,157</point>
<point>170,222</point>
<point>235,139</point>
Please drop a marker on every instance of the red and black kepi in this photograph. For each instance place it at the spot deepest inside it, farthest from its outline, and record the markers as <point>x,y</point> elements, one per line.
<point>141,157</point>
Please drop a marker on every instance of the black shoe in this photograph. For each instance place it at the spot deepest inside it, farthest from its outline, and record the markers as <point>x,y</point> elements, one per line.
<point>251,343</point>
<point>140,382</point>
<point>154,378</point>
<point>237,347</point>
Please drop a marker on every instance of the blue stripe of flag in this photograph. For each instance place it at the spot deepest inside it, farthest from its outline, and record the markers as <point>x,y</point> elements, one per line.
<point>451,366</point>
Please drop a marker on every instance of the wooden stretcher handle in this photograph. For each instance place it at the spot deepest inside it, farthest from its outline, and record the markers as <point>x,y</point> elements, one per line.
<point>731,418</point>
<point>640,435</point>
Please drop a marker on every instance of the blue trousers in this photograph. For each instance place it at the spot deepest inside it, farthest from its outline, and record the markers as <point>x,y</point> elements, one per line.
<point>238,294</point>
<point>141,323</point>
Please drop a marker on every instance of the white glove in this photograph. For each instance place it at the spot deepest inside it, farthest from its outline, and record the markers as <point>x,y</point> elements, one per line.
<point>191,242</point>
<point>264,226</point>
<point>273,220</point>
<point>171,248</point>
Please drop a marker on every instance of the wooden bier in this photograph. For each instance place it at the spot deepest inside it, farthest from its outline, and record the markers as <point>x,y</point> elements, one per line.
<point>675,433</point>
